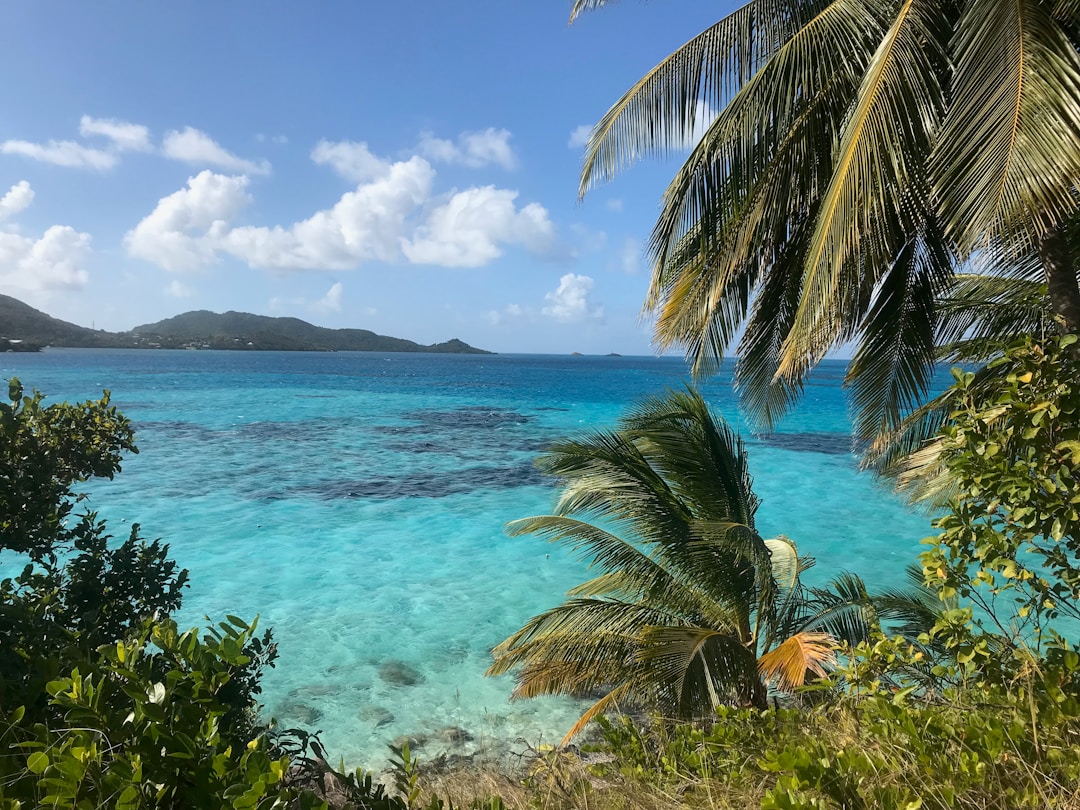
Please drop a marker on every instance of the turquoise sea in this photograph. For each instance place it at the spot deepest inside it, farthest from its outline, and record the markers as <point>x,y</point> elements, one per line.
<point>356,503</point>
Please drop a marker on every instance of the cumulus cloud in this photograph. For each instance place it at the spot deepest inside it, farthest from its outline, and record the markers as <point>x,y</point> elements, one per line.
<point>331,302</point>
<point>468,230</point>
<point>39,265</point>
<point>615,204</point>
<point>351,159</point>
<point>365,224</point>
<point>17,199</point>
<point>570,301</point>
<point>474,149</point>
<point>390,216</point>
<point>54,261</point>
<point>194,146</point>
<point>184,230</point>
<point>61,153</point>
<point>125,136</point>
<point>580,136</point>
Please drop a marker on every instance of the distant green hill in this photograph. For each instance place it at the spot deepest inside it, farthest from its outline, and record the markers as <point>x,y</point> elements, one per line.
<point>21,322</point>
<point>203,330</point>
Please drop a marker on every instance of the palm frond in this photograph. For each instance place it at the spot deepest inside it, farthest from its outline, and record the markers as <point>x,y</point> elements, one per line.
<point>695,670</point>
<point>983,312</point>
<point>844,610</point>
<point>662,110</point>
<point>866,210</point>
<point>1009,153</point>
<point>808,74</point>
<point>700,457</point>
<point>703,291</point>
<point>802,654</point>
<point>894,365</point>
<point>579,646</point>
<point>910,611</point>
<point>606,703</point>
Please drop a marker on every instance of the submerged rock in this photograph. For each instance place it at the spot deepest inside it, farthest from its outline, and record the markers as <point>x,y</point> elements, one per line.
<point>378,716</point>
<point>299,712</point>
<point>314,690</point>
<point>414,741</point>
<point>398,673</point>
<point>454,735</point>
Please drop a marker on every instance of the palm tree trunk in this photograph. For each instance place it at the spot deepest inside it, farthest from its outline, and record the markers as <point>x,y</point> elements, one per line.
<point>1061,282</point>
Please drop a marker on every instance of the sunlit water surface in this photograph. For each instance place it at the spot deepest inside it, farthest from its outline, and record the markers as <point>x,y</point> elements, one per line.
<point>356,503</point>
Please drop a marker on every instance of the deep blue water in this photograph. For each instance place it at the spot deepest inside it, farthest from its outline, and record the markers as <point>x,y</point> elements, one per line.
<point>356,502</point>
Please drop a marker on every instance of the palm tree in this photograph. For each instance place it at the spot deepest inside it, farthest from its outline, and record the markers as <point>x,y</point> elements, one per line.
<point>864,153</point>
<point>692,608</point>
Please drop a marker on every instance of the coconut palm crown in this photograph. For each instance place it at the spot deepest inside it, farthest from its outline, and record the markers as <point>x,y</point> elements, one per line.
<point>863,152</point>
<point>691,607</point>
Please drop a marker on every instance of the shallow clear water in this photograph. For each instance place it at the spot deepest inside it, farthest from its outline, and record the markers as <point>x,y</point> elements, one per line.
<point>356,503</point>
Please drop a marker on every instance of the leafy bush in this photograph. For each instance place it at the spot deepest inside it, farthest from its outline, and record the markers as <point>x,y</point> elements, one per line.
<point>867,754</point>
<point>1010,542</point>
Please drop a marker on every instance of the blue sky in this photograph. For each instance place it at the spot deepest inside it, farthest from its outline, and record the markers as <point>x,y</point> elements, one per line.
<point>409,168</point>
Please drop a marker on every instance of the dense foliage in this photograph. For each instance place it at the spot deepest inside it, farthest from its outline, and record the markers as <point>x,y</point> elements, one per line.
<point>1011,539</point>
<point>865,158</point>
<point>975,705</point>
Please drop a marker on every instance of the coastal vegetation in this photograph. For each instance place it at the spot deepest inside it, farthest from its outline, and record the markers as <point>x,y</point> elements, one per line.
<point>692,609</point>
<point>898,176</point>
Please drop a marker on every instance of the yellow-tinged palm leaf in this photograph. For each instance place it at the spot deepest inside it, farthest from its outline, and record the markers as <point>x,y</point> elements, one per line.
<point>606,703</point>
<point>864,214</point>
<point>788,664</point>
<point>822,61</point>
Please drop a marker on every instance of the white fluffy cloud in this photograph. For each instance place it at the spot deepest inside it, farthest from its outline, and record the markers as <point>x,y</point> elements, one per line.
<point>474,149</point>
<point>124,135</point>
<point>17,199</point>
<point>39,265</point>
<point>351,159</point>
<point>570,301</point>
<point>365,224</point>
<point>331,302</point>
<point>467,230</point>
<point>51,262</point>
<point>580,136</point>
<point>184,231</point>
<point>390,216</point>
<point>194,146</point>
<point>61,153</point>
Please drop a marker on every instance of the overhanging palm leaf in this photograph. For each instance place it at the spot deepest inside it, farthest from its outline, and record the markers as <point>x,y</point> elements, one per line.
<point>863,152</point>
